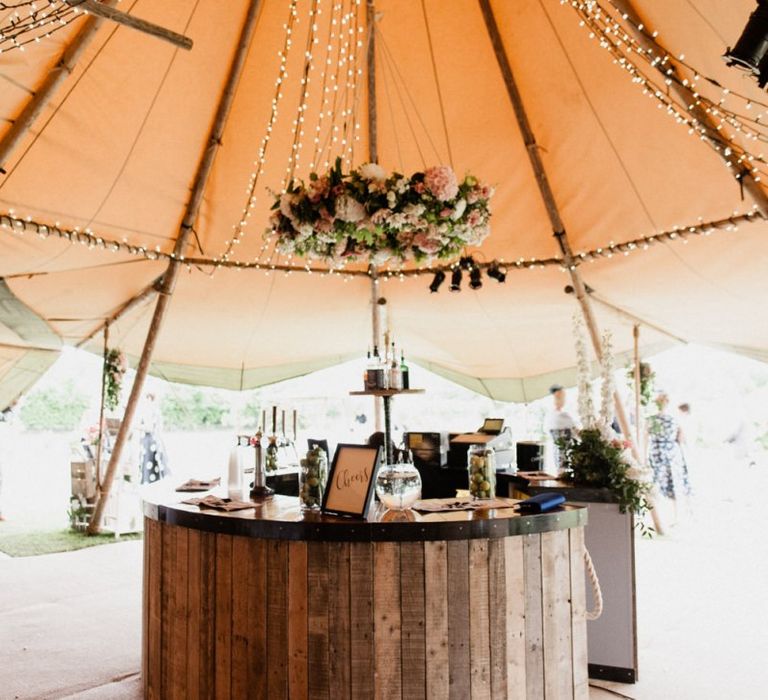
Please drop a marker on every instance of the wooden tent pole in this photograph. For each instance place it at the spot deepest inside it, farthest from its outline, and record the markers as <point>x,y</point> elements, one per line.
<point>373,146</point>
<point>638,417</point>
<point>675,83</point>
<point>376,339</point>
<point>100,446</point>
<point>143,296</point>
<point>171,274</point>
<point>373,157</point>
<point>98,9</point>
<point>56,76</point>
<point>553,210</point>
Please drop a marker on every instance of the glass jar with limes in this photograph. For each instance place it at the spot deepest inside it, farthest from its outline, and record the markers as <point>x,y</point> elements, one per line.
<point>312,478</point>
<point>481,464</point>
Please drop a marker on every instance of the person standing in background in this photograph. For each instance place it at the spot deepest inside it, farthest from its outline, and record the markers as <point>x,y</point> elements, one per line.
<point>153,462</point>
<point>559,424</point>
<point>665,456</point>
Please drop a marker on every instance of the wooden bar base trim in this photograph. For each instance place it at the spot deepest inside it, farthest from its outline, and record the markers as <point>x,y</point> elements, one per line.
<point>237,617</point>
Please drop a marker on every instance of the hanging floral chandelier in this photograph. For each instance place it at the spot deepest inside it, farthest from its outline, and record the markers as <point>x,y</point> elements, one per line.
<point>370,215</point>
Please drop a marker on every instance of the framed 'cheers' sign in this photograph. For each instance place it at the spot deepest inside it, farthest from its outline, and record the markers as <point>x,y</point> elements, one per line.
<point>350,483</point>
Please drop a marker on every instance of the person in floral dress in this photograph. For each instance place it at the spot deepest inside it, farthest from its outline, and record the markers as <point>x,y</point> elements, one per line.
<point>664,454</point>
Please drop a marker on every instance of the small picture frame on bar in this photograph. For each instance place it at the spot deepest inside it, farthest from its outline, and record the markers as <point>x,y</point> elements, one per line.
<point>350,481</point>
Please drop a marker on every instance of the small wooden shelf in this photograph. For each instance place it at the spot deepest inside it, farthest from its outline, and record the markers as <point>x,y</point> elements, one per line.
<point>386,392</point>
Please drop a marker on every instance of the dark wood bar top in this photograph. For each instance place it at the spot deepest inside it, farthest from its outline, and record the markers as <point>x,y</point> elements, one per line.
<point>280,518</point>
<point>579,494</point>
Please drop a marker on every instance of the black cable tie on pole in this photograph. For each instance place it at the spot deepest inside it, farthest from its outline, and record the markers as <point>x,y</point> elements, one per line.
<point>740,178</point>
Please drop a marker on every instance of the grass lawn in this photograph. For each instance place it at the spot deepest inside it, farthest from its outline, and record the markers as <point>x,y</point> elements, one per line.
<point>30,543</point>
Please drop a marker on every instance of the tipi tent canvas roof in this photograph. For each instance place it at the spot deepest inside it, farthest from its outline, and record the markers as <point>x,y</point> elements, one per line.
<point>637,176</point>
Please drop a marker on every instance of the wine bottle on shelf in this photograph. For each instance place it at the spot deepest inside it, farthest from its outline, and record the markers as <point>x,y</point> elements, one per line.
<point>395,375</point>
<point>393,369</point>
<point>404,373</point>
<point>369,378</point>
<point>380,371</point>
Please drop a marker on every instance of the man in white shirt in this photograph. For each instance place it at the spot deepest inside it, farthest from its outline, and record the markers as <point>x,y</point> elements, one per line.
<point>560,424</point>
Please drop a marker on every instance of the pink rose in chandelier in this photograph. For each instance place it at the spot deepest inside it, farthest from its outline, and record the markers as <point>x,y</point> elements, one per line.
<point>426,243</point>
<point>319,188</point>
<point>441,182</point>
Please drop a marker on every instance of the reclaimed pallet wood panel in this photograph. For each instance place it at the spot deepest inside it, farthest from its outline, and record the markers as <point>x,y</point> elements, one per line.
<point>227,616</point>
<point>413,614</point>
<point>387,621</point>
<point>177,662</point>
<point>257,592</point>
<point>514,579</point>
<point>556,606</point>
<point>277,619</point>
<point>318,563</point>
<point>479,621</point>
<point>436,618</point>
<point>240,641</point>
<point>361,619</point>
<point>458,620</point>
<point>497,604</point>
<point>223,617</point>
<point>298,679</point>
<point>339,645</point>
<point>534,618</point>
<point>578,615</point>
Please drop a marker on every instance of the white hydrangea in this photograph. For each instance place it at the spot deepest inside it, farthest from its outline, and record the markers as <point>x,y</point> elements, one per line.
<point>372,171</point>
<point>349,209</point>
<point>459,209</point>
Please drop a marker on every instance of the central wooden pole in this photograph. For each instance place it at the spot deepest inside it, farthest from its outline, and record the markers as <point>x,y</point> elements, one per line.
<point>553,211</point>
<point>373,135</point>
<point>171,274</point>
<point>373,157</point>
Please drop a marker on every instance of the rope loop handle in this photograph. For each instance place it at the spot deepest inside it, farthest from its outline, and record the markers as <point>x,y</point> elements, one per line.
<point>597,594</point>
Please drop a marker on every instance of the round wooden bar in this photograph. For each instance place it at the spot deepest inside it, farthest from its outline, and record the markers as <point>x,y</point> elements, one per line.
<point>273,603</point>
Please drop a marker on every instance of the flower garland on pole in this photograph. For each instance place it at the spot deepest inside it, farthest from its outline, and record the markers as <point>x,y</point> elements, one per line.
<point>115,366</point>
<point>367,214</point>
<point>596,456</point>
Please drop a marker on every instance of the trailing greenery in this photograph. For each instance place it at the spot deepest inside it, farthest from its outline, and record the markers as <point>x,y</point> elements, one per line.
<point>251,414</point>
<point>193,409</point>
<point>591,460</point>
<point>647,382</point>
<point>55,408</point>
<point>114,371</point>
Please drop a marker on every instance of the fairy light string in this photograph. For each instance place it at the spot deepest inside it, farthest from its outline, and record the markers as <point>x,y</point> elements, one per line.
<point>11,224</point>
<point>730,127</point>
<point>28,22</point>
<point>261,157</point>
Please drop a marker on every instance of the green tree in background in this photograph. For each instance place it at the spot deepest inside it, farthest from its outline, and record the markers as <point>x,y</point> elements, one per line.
<point>193,409</point>
<point>251,414</point>
<point>55,408</point>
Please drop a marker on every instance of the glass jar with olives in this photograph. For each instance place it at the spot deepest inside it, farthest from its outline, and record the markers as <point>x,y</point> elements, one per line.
<point>481,464</point>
